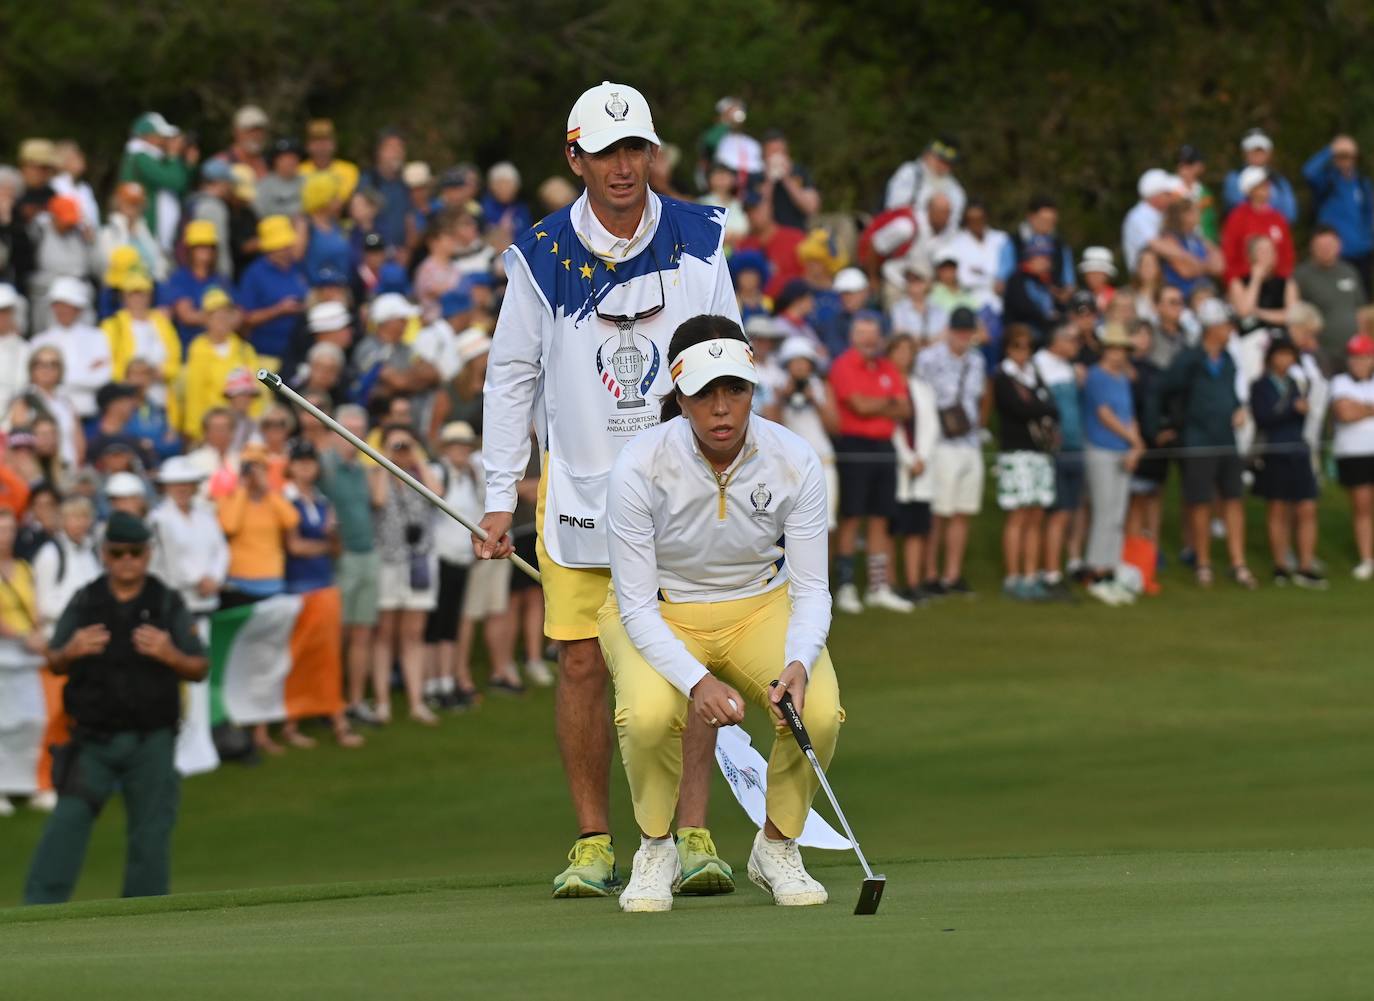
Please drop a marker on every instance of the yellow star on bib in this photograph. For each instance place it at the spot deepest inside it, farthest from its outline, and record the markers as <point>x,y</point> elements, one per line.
<point>586,271</point>
<point>609,265</point>
<point>567,264</point>
<point>539,235</point>
<point>554,248</point>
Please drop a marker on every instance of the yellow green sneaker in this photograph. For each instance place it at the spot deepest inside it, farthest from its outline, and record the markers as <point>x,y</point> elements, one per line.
<point>704,873</point>
<point>591,872</point>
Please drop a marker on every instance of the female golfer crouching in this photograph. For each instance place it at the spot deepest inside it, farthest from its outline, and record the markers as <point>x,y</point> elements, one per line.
<point>717,526</point>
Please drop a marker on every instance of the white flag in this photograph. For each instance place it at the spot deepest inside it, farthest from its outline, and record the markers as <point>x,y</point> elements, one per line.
<point>747,773</point>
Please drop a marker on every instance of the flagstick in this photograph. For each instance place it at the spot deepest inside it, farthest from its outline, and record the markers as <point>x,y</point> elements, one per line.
<point>273,381</point>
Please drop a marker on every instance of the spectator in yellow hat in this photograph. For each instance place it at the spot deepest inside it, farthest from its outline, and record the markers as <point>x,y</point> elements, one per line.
<point>320,147</point>
<point>187,286</point>
<point>273,291</point>
<point>327,247</point>
<point>139,331</point>
<point>212,203</point>
<point>126,226</point>
<point>212,356</point>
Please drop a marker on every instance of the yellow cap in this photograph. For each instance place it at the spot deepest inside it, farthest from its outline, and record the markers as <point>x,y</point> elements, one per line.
<point>122,259</point>
<point>215,298</point>
<point>320,188</point>
<point>201,233</point>
<point>818,246</point>
<point>275,233</point>
<point>136,280</point>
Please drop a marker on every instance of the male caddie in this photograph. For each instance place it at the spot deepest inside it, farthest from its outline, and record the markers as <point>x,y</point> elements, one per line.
<point>581,347</point>
<point>125,642</point>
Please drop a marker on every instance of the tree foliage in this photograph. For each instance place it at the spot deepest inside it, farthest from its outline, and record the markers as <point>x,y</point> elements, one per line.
<point>1072,98</point>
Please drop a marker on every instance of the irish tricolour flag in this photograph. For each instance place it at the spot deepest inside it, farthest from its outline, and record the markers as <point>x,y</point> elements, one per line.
<point>277,659</point>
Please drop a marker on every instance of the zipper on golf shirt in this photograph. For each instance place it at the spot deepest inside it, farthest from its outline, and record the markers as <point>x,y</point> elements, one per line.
<point>723,480</point>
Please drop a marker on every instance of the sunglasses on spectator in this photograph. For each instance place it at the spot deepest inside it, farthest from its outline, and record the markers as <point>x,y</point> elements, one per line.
<point>399,446</point>
<point>125,552</point>
<point>47,363</point>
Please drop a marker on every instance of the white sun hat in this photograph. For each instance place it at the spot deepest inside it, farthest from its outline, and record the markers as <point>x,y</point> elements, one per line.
<point>609,113</point>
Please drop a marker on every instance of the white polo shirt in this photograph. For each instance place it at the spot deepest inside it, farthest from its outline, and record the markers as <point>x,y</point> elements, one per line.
<point>588,385</point>
<point>679,528</point>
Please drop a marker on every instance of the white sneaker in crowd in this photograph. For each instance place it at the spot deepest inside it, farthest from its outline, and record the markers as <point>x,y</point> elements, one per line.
<point>847,600</point>
<point>656,872</point>
<point>539,674</point>
<point>885,597</point>
<point>1365,571</point>
<point>1106,592</point>
<point>776,866</point>
<point>43,802</point>
<point>6,807</point>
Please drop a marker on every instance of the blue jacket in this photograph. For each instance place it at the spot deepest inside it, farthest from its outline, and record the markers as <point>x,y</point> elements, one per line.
<point>1343,203</point>
<point>1282,198</point>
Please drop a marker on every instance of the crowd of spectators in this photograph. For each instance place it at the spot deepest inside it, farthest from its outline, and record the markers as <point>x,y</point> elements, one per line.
<point>905,344</point>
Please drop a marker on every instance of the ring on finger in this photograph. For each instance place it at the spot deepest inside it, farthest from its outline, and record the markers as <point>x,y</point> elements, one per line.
<point>713,721</point>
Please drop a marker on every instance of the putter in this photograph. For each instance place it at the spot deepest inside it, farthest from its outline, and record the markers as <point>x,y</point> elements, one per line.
<point>273,382</point>
<point>871,893</point>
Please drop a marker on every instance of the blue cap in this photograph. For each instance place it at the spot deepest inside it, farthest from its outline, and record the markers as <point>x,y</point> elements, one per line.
<point>1037,246</point>
<point>327,275</point>
<point>750,260</point>
<point>455,301</point>
<point>392,277</point>
<point>478,279</point>
<point>217,169</point>
<point>750,198</point>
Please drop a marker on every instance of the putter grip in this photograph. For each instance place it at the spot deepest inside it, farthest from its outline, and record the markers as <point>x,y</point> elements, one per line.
<point>794,720</point>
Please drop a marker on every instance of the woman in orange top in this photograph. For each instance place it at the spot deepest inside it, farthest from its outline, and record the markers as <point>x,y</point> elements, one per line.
<point>256,520</point>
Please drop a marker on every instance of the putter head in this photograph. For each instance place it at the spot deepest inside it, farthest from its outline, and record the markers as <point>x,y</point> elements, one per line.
<point>870,895</point>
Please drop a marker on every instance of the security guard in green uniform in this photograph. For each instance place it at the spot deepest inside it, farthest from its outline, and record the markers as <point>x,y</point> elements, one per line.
<point>125,642</point>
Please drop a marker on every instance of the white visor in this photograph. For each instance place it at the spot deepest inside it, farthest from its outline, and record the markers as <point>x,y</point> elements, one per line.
<point>701,364</point>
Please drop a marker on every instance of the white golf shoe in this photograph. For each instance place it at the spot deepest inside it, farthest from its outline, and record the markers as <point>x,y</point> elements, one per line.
<point>539,674</point>
<point>776,866</point>
<point>885,597</point>
<point>657,870</point>
<point>847,600</point>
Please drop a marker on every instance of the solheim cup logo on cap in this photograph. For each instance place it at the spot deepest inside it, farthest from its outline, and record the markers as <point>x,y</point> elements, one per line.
<point>716,349</point>
<point>617,108</point>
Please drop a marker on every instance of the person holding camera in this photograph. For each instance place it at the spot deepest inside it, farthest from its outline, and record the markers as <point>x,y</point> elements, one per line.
<point>125,642</point>
<point>804,404</point>
<point>408,582</point>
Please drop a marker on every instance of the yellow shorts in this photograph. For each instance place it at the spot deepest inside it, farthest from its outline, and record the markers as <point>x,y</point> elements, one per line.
<point>572,595</point>
<point>741,642</point>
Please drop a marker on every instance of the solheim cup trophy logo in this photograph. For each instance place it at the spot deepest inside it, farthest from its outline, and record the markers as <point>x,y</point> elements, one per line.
<point>628,365</point>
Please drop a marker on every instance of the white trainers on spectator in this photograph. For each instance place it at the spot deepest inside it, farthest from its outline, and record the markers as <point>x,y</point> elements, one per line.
<point>656,872</point>
<point>539,674</point>
<point>1365,570</point>
<point>885,597</point>
<point>847,600</point>
<point>43,802</point>
<point>776,866</point>
<point>6,807</point>
<point>1106,592</point>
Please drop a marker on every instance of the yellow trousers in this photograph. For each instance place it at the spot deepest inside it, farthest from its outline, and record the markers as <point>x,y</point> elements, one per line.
<point>742,643</point>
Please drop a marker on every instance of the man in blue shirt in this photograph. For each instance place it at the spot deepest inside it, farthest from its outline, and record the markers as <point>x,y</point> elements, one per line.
<point>273,291</point>
<point>385,179</point>
<point>1259,150</point>
<point>1344,200</point>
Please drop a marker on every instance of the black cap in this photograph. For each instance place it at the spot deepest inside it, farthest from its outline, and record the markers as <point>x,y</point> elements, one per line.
<point>963,319</point>
<point>790,293</point>
<point>374,241</point>
<point>302,449</point>
<point>1082,301</point>
<point>1188,153</point>
<point>112,392</point>
<point>456,177</point>
<point>124,528</point>
<point>1280,344</point>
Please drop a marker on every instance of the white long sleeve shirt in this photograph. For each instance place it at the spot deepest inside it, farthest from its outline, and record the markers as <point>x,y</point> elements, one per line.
<point>60,569</point>
<point>589,387</point>
<point>86,362</point>
<point>187,547</point>
<point>678,527</point>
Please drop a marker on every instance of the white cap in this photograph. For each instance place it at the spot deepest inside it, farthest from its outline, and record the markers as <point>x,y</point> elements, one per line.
<point>762,326</point>
<point>471,344</point>
<point>608,114</point>
<point>850,280</point>
<point>1158,182</point>
<point>72,291</point>
<point>9,297</point>
<point>250,116</point>
<point>416,174</point>
<point>392,306</point>
<point>325,317</point>
<point>1097,259</point>
<point>1213,313</point>
<point>798,346</point>
<point>1256,139</point>
<point>701,364</point>
<point>124,485</point>
<point>1251,178</point>
<point>178,469</point>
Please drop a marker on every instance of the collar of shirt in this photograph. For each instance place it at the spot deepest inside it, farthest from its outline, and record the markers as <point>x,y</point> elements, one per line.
<point>746,449</point>
<point>605,244</point>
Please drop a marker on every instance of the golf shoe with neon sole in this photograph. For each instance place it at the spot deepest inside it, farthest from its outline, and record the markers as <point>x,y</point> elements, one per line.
<point>704,873</point>
<point>776,866</point>
<point>591,870</point>
<point>653,879</point>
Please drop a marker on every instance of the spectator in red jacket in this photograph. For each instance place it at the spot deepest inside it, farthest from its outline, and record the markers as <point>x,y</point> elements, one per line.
<point>778,243</point>
<point>1255,217</point>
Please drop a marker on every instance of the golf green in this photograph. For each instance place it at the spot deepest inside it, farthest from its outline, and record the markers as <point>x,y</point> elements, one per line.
<point>1165,801</point>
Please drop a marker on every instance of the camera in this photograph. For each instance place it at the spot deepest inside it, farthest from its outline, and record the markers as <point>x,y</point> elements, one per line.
<point>414,533</point>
